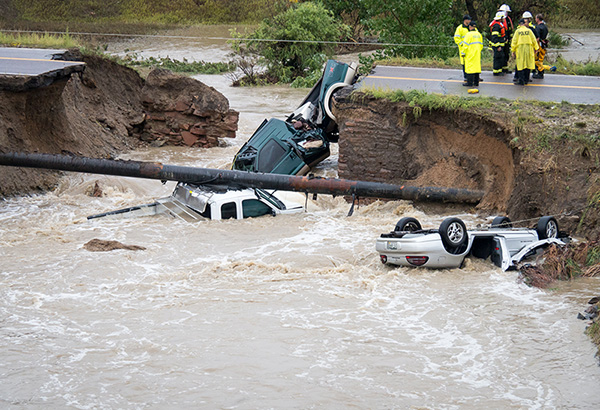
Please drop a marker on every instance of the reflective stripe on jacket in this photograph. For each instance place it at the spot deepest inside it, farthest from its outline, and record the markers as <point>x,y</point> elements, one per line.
<point>498,34</point>
<point>459,35</point>
<point>508,26</point>
<point>472,46</point>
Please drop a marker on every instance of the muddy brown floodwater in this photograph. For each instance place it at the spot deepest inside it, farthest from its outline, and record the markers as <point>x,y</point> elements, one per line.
<point>287,312</point>
<point>584,46</point>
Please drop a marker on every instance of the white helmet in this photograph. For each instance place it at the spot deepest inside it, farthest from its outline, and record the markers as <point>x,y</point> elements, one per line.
<point>499,15</point>
<point>504,7</point>
<point>527,15</point>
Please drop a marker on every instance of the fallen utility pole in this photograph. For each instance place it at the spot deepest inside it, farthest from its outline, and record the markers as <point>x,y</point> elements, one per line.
<point>239,179</point>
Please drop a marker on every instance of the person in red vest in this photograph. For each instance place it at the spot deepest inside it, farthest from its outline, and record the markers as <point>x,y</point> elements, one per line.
<point>508,31</point>
<point>497,43</point>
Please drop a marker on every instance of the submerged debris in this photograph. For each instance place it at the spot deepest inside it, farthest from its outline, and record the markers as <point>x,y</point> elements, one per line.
<point>590,313</point>
<point>563,263</point>
<point>100,245</point>
<point>96,191</point>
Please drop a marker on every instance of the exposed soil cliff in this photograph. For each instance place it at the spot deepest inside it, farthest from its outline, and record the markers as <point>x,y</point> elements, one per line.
<point>392,142</point>
<point>107,110</point>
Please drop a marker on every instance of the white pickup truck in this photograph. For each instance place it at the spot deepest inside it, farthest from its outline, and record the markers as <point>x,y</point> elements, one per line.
<point>193,203</point>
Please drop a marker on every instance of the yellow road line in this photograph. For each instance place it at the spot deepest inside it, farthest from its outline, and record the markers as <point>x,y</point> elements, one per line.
<point>486,82</point>
<point>41,59</point>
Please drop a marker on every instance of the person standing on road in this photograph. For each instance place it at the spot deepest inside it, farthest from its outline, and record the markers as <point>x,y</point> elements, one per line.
<point>497,42</point>
<point>472,46</point>
<point>523,47</point>
<point>459,35</point>
<point>542,34</point>
<point>508,29</point>
<point>528,17</point>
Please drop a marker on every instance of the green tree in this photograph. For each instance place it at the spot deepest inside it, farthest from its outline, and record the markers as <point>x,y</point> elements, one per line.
<point>351,11</point>
<point>483,11</point>
<point>293,43</point>
<point>421,26</point>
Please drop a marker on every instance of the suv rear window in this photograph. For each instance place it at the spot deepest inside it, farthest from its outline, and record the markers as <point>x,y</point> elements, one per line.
<point>270,155</point>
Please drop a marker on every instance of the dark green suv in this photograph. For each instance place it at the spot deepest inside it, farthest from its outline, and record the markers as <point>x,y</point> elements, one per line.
<point>294,146</point>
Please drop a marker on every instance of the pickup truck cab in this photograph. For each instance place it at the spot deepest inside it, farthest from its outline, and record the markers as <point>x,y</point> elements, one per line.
<point>194,203</point>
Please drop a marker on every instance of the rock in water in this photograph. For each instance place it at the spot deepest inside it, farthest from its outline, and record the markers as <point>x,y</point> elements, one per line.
<point>100,245</point>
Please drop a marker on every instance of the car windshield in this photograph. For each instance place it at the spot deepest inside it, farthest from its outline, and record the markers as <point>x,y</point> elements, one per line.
<point>270,198</point>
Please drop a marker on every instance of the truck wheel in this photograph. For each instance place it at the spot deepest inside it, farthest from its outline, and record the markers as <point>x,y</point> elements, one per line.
<point>547,227</point>
<point>454,233</point>
<point>501,222</point>
<point>408,224</point>
<point>328,96</point>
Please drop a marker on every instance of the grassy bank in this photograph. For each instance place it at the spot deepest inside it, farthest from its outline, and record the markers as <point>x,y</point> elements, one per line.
<point>138,11</point>
<point>185,66</point>
<point>593,331</point>
<point>42,40</point>
<point>575,14</point>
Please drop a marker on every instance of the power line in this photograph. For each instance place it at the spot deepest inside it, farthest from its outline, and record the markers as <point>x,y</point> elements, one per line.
<point>354,43</point>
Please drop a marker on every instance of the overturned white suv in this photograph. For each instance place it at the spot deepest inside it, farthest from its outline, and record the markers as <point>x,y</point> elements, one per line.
<point>448,246</point>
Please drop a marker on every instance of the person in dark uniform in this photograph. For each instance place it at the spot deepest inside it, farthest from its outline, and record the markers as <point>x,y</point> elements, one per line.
<point>542,35</point>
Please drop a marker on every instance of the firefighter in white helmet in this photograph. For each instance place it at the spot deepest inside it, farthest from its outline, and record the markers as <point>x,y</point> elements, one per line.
<point>508,32</point>
<point>497,43</point>
<point>523,46</point>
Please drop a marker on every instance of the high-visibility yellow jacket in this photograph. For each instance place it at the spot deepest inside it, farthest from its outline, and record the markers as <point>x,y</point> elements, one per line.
<point>472,45</point>
<point>459,35</point>
<point>524,45</point>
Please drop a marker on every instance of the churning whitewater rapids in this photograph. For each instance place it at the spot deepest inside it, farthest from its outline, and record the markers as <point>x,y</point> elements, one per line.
<point>294,311</point>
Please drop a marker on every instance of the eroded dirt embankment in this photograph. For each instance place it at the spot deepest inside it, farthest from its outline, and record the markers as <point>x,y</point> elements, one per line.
<point>393,142</point>
<point>106,111</point>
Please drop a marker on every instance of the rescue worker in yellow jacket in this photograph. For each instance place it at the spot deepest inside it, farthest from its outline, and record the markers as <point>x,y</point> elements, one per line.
<point>523,47</point>
<point>471,47</point>
<point>459,35</point>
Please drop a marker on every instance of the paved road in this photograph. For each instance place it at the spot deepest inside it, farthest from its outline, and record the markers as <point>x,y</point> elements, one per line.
<point>22,68</point>
<point>554,87</point>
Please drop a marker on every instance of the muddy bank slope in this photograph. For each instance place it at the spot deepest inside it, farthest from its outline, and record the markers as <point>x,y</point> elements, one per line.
<point>530,159</point>
<point>105,111</point>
